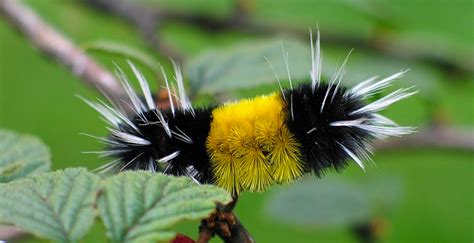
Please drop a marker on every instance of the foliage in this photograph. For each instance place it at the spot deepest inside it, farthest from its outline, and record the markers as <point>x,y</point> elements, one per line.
<point>143,206</point>
<point>245,66</point>
<point>21,155</point>
<point>56,206</point>
<point>330,202</point>
<point>134,206</point>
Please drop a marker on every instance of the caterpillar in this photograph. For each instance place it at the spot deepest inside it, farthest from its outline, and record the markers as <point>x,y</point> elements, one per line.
<point>251,144</point>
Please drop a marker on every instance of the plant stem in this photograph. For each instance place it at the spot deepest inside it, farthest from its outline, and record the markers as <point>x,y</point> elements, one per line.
<point>58,47</point>
<point>226,225</point>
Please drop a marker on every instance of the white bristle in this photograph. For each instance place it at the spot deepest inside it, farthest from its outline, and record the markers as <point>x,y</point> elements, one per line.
<point>368,88</point>
<point>183,97</point>
<point>385,101</point>
<point>191,172</point>
<point>137,105</point>
<point>277,78</point>
<point>129,162</point>
<point>144,86</point>
<point>287,65</point>
<point>170,94</point>
<point>169,157</point>
<point>353,156</point>
<point>128,138</point>
<point>316,61</point>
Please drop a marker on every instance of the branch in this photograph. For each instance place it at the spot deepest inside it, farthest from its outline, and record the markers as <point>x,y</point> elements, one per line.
<point>10,233</point>
<point>435,136</point>
<point>58,47</point>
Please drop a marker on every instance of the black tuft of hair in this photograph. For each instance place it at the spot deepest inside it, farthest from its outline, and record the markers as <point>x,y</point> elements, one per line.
<point>191,155</point>
<point>321,143</point>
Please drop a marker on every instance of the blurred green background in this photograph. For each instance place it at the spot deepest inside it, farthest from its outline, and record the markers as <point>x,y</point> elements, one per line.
<point>436,186</point>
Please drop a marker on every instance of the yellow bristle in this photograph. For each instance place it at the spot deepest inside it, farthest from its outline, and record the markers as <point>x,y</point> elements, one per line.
<point>226,173</point>
<point>255,172</point>
<point>283,155</point>
<point>250,146</point>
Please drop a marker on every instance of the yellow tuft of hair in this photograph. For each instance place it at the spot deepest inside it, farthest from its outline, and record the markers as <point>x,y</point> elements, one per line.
<point>286,149</point>
<point>250,147</point>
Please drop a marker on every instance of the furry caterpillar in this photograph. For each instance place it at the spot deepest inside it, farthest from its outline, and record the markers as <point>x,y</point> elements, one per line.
<point>250,144</point>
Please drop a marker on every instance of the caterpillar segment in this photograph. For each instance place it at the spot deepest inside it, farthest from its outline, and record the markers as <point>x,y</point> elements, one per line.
<point>250,145</point>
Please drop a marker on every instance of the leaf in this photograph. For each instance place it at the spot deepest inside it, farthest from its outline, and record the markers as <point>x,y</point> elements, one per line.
<point>374,11</point>
<point>21,155</point>
<point>56,206</point>
<point>385,191</point>
<point>125,51</point>
<point>138,206</point>
<point>244,65</point>
<point>323,203</point>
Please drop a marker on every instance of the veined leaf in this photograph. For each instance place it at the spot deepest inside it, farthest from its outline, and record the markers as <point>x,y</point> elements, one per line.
<point>138,206</point>
<point>244,65</point>
<point>331,202</point>
<point>324,203</point>
<point>21,155</point>
<point>125,51</point>
<point>56,206</point>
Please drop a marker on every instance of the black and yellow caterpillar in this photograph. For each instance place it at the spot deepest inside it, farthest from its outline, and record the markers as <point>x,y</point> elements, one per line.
<point>250,144</point>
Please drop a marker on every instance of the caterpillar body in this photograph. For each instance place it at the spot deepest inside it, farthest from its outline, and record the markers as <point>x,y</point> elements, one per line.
<point>251,144</point>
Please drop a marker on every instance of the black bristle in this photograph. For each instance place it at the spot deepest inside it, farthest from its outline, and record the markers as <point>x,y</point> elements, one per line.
<point>195,127</point>
<point>311,127</point>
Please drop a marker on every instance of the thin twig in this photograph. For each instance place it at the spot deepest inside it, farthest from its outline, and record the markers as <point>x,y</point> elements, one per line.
<point>436,136</point>
<point>10,233</point>
<point>58,47</point>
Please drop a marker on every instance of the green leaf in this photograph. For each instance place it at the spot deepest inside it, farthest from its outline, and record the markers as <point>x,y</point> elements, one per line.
<point>375,11</point>
<point>244,65</point>
<point>56,206</point>
<point>323,203</point>
<point>331,202</point>
<point>138,206</point>
<point>21,155</point>
<point>125,51</point>
<point>385,191</point>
